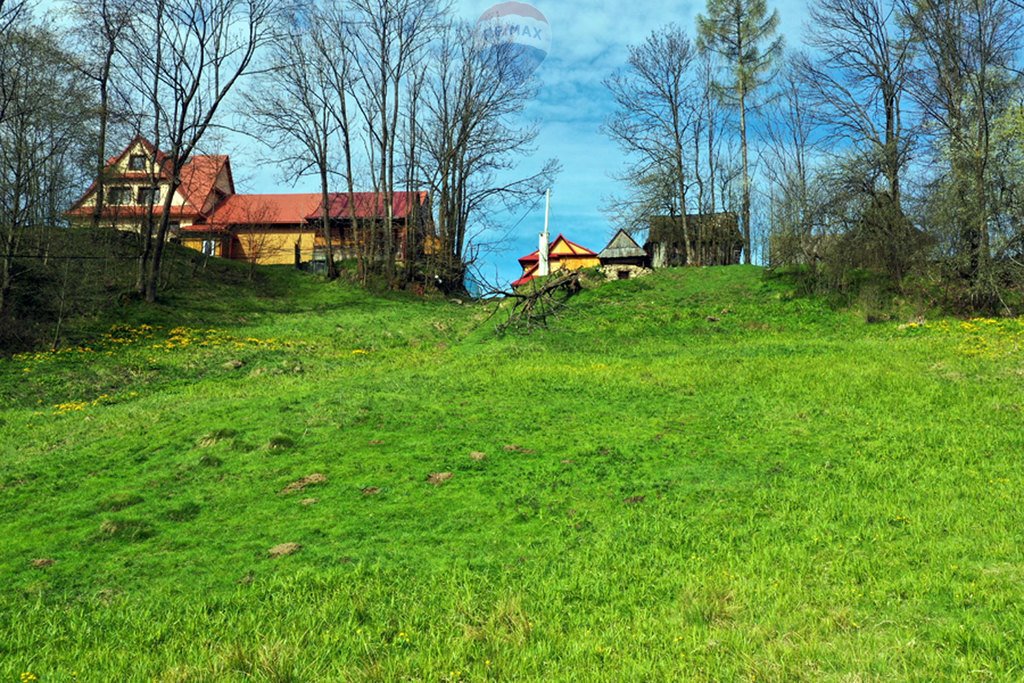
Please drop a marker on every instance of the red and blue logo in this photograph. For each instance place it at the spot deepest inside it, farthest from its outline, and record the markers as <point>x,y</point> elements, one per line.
<point>518,28</point>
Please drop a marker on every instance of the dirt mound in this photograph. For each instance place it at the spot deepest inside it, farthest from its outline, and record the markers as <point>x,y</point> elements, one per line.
<point>43,562</point>
<point>216,437</point>
<point>283,549</point>
<point>311,480</point>
<point>438,478</point>
<point>477,455</point>
<point>370,491</point>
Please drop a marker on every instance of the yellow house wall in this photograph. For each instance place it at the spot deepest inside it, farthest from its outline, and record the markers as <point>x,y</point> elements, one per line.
<point>135,184</point>
<point>274,247</point>
<point>197,244</point>
<point>576,263</point>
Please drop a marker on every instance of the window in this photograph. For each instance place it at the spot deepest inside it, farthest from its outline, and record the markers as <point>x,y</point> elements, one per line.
<point>147,195</point>
<point>119,195</point>
<point>137,162</point>
<point>209,247</point>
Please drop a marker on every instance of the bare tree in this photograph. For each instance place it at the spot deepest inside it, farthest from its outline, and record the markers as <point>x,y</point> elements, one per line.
<point>11,11</point>
<point>788,162</point>
<point>855,87</point>
<point>292,109</point>
<point>11,15</point>
<point>388,38</point>
<point>206,46</point>
<point>469,136</point>
<point>709,131</point>
<point>42,140</point>
<point>100,27</point>
<point>656,105</point>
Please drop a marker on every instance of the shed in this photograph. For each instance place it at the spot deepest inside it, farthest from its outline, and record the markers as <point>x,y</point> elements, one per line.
<point>623,258</point>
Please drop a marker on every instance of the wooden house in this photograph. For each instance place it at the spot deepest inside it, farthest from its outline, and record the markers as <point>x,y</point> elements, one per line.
<point>140,176</point>
<point>714,240</point>
<point>563,254</point>
<point>209,216</point>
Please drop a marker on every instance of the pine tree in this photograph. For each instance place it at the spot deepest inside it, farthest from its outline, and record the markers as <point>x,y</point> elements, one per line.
<point>742,33</point>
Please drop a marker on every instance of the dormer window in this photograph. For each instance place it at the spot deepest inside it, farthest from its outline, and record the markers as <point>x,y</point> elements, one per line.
<point>137,162</point>
<point>148,195</point>
<point>119,195</point>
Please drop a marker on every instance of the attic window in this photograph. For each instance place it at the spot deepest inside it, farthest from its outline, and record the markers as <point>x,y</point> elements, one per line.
<point>137,162</point>
<point>148,195</point>
<point>119,195</point>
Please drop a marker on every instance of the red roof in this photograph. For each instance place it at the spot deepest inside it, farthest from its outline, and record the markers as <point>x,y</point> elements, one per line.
<point>576,249</point>
<point>369,205</point>
<point>260,209</point>
<point>199,177</point>
<point>528,275</point>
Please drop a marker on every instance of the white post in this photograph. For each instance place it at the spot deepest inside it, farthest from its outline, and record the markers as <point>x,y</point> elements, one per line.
<point>543,267</point>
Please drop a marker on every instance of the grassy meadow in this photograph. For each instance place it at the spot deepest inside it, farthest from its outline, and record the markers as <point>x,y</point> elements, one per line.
<point>693,476</point>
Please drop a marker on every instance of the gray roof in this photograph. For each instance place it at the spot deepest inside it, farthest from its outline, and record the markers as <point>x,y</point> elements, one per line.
<point>622,246</point>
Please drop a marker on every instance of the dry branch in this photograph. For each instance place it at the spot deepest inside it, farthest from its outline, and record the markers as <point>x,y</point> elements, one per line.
<point>532,309</point>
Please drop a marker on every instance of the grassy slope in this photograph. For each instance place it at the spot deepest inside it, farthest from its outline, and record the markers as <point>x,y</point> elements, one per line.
<point>821,499</point>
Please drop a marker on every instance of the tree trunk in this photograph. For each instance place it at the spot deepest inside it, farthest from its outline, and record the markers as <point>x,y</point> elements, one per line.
<point>155,169</point>
<point>325,221</point>
<point>745,205</point>
<point>6,266</point>
<point>153,281</point>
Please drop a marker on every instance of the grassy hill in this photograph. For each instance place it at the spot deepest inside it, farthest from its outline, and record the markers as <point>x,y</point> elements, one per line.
<point>694,476</point>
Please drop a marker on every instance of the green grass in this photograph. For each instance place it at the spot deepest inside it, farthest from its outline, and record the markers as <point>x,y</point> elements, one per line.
<point>694,476</point>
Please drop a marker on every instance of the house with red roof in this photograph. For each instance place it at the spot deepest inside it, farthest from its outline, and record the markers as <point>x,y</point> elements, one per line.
<point>209,216</point>
<point>563,254</point>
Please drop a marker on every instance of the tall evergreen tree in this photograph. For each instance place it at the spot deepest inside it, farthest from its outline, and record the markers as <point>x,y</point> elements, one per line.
<point>742,33</point>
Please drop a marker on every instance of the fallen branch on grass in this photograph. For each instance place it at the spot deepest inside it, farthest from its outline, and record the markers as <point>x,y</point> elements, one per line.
<point>532,308</point>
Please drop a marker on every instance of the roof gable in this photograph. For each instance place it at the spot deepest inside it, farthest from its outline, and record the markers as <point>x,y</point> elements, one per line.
<point>560,248</point>
<point>199,177</point>
<point>622,245</point>
<point>564,247</point>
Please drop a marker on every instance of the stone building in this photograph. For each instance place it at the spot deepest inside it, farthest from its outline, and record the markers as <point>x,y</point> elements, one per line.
<point>623,258</point>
